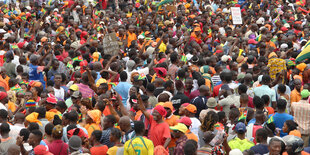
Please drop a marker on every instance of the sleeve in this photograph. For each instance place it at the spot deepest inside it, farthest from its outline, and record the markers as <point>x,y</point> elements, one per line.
<point>223,102</point>
<point>126,148</point>
<point>166,133</point>
<point>292,97</point>
<point>150,148</point>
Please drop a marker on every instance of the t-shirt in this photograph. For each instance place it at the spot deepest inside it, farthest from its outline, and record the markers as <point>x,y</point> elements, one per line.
<point>201,103</point>
<point>177,100</point>
<point>113,150</point>
<point>100,150</point>
<point>58,147</point>
<point>279,119</point>
<point>195,125</point>
<point>59,93</point>
<point>260,149</point>
<point>139,145</point>
<point>242,145</point>
<point>159,132</point>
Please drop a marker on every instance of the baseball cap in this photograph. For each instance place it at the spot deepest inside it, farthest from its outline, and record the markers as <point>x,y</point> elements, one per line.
<point>168,105</point>
<point>240,127</point>
<point>76,94</point>
<point>140,37</point>
<point>284,29</point>
<point>225,87</point>
<point>211,102</point>
<point>252,41</point>
<point>75,143</point>
<point>305,93</point>
<point>191,108</point>
<point>74,87</point>
<point>180,127</point>
<point>41,150</point>
<point>185,120</point>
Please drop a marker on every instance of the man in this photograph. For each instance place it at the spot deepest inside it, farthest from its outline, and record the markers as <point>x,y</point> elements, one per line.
<point>95,142</point>
<point>59,91</point>
<point>159,131</point>
<point>275,64</point>
<point>265,90</point>
<point>123,87</point>
<point>301,111</point>
<point>201,101</point>
<point>190,111</point>
<point>173,68</point>
<point>139,143</point>
<point>34,140</point>
<point>275,146</point>
<point>188,122</point>
<point>50,106</point>
<point>281,116</point>
<point>230,99</point>
<point>179,131</point>
<point>76,99</point>
<point>108,124</point>
<point>295,94</point>
<point>75,144</point>
<point>19,120</point>
<point>42,117</point>
<point>179,98</point>
<point>170,119</point>
<point>125,125</point>
<point>169,89</point>
<point>159,86</point>
<point>253,127</point>
<point>58,146</point>
<point>6,140</point>
<point>35,71</point>
<point>240,142</point>
<point>261,139</point>
<point>73,118</point>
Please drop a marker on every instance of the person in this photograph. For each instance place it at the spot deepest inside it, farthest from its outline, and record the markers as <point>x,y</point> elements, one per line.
<point>34,140</point>
<point>275,146</point>
<point>13,149</point>
<point>300,112</point>
<point>230,99</point>
<point>294,145</point>
<point>179,131</point>
<point>280,117</point>
<point>265,90</point>
<point>295,94</point>
<point>261,139</point>
<point>139,143</point>
<point>125,126</point>
<point>123,87</point>
<point>179,98</point>
<point>115,137</point>
<point>170,118</point>
<point>201,101</point>
<point>108,125</point>
<point>190,111</point>
<point>94,140</point>
<point>207,148</point>
<point>208,124</point>
<point>74,145</point>
<point>48,133</point>
<point>188,122</point>
<point>57,146</point>
<point>290,127</point>
<point>6,140</point>
<point>240,142</point>
<point>92,120</point>
<point>253,127</point>
<point>72,118</point>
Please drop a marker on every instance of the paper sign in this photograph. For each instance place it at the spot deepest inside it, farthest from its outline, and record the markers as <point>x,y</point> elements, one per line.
<point>110,44</point>
<point>171,8</point>
<point>236,15</point>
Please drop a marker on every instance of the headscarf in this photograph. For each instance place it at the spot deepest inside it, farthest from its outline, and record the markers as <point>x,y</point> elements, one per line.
<point>301,67</point>
<point>161,110</point>
<point>162,70</point>
<point>95,115</point>
<point>3,95</point>
<point>33,118</point>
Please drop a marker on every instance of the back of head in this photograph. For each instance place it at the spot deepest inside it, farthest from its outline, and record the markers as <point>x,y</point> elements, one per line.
<point>266,79</point>
<point>266,99</point>
<point>261,135</point>
<point>73,116</point>
<point>116,133</point>
<point>281,104</point>
<point>189,148</point>
<point>139,127</point>
<point>281,88</point>
<point>24,133</point>
<point>4,128</point>
<point>258,102</point>
<point>97,135</point>
<point>123,76</point>
<point>3,114</point>
<point>75,143</point>
<point>33,126</point>
<point>41,111</point>
<point>49,128</point>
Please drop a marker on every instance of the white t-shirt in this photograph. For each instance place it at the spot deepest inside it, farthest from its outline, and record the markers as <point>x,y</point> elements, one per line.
<point>195,125</point>
<point>59,93</point>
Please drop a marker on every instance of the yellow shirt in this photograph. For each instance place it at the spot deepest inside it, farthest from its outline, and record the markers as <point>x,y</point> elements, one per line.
<point>112,150</point>
<point>140,145</point>
<point>162,47</point>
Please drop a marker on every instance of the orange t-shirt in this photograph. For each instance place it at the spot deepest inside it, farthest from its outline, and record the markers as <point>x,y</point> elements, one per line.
<point>172,121</point>
<point>92,127</point>
<point>295,96</point>
<point>131,37</point>
<point>100,150</point>
<point>270,110</point>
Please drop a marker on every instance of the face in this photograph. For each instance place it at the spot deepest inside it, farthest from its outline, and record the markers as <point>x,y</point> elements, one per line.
<point>156,115</point>
<point>176,134</point>
<point>28,96</point>
<point>106,123</point>
<point>32,139</point>
<point>168,111</point>
<point>298,85</point>
<point>275,148</point>
<point>34,91</point>
<point>285,128</point>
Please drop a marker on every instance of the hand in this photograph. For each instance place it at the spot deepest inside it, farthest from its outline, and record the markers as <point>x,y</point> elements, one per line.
<point>19,140</point>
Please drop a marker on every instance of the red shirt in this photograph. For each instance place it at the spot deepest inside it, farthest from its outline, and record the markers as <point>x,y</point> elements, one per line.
<point>216,90</point>
<point>58,147</point>
<point>101,150</point>
<point>158,132</point>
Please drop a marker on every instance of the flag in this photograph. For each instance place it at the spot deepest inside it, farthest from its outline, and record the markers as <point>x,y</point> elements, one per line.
<point>79,58</point>
<point>44,11</point>
<point>305,53</point>
<point>184,58</point>
<point>67,34</point>
<point>141,76</point>
<point>243,115</point>
<point>270,120</point>
<point>23,17</point>
<point>26,35</point>
<point>113,84</point>
<point>16,88</point>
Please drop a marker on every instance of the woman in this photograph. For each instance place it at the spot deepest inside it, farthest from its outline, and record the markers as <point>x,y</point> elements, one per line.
<point>36,92</point>
<point>91,119</point>
<point>208,124</point>
<point>290,127</point>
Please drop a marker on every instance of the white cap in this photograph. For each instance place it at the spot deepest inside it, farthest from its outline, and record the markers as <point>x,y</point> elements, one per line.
<point>235,152</point>
<point>287,25</point>
<point>2,31</point>
<point>260,20</point>
<point>28,7</point>
<point>56,10</point>
<point>225,58</point>
<point>140,37</point>
<point>284,46</point>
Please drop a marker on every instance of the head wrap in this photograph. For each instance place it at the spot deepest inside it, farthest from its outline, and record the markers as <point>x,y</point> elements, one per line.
<point>33,118</point>
<point>3,95</point>
<point>161,110</point>
<point>95,115</point>
<point>168,105</point>
<point>162,70</point>
<point>51,99</point>
<point>301,67</point>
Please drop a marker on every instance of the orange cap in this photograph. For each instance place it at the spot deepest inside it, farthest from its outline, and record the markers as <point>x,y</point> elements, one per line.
<point>191,108</point>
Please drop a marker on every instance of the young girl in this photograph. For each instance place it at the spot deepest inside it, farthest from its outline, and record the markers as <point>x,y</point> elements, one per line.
<point>290,127</point>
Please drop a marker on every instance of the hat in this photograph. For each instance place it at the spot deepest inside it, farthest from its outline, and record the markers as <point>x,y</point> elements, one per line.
<point>301,67</point>
<point>272,54</point>
<point>179,127</point>
<point>74,87</point>
<point>150,50</point>
<point>30,103</point>
<point>225,87</point>
<point>161,110</point>
<point>78,132</point>
<point>75,143</point>
<point>241,59</point>
<point>168,105</point>
<point>218,51</point>
<point>191,108</point>
<point>260,21</point>
<point>185,120</point>
<point>283,46</point>
<point>196,29</point>
<point>225,58</point>
<point>56,10</point>
<point>211,102</point>
<point>3,95</point>
<point>287,25</point>
<point>51,99</point>
<point>305,93</point>
<point>240,127</point>
<point>140,37</point>
<point>252,41</point>
<point>235,152</point>
<point>2,31</point>
<point>160,71</point>
<point>76,94</point>
<point>43,39</point>
<point>57,131</point>
<point>41,150</point>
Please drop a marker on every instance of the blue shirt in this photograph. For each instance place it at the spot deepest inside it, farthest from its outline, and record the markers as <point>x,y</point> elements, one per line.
<point>279,119</point>
<point>123,89</point>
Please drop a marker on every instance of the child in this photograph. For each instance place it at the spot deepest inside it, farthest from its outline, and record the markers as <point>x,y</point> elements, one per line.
<point>281,92</point>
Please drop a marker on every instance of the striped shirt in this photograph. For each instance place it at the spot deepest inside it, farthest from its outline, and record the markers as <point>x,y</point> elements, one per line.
<point>85,90</point>
<point>301,111</point>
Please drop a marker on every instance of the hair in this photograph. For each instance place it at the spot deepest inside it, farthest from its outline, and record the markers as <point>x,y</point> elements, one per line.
<point>123,76</point>
<point>49,128</point>
<point>242,89</point>
<point>281,88</point>
<point>209,121</point>
<point>266,99</point>
<point>62,105</point>
<point>33,126</point>
<point>111,118</point>
<point>168,84</point>
<point>116,133</point>
<point>291,125</point>
<point>274,139</point>
<point>139,127</point>
<point>73,116</point>
<point>249,152</point>
<point>258,102</point>
<point>201,81</point>
<point>190,148</point>
<point>150,87</point>
<point>221,115</point>
<point>281,104</point>
<point>3,114</point>
<point>41,111</point>
<point>100,105</point>
<point>4,128</point>
<point>262,133</point>
<point>38,134</point>
<point>57,120</point>
<point>97,134</point>
<point>24,133</point>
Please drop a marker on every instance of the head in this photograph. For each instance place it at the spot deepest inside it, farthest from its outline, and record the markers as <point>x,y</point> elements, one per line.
<point>5,129</point>
<point>139,127</point>
<point>297,84</point>
<point>258,103</point>
<point>109,121</point>
<point>209,121</point>
<point>35,138</point>
<point>124,123</point>
<point>115,135</point>
<point>289,126</point>
<point>275,146</point>
<point>261,135</point>
<point>208,136</point>
<point>57,132</point>
<point>281,105</point>
<point>204,90</point>
<point>3,116</point>
<point>95,137</point>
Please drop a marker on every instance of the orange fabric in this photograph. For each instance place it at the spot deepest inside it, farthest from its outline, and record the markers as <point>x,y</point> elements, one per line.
<point>33,117</point>
<point>92,127</point>
<point>302,153</point>
<point>271,44</point>
<point>51,113</point>
<point>11,106</point>
<point>106,111</point>
<point>4,84</point>
<point>131,37</point>
<point>138,115</point>
<point>197,39</point>
<point>295,96</point>
<point>191,135</point>
<point>95,115</point>
<point>295,133</point>
<point>172,121</point>
<point>100,150</point>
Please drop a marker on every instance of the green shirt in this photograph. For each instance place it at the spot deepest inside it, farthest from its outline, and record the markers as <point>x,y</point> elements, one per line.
<point>242,145</point>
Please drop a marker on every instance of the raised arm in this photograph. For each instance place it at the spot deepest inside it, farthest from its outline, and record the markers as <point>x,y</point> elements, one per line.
<point>142,108</point>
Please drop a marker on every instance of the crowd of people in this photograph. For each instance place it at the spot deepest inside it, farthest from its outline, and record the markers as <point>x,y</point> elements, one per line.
<point>143,77</point>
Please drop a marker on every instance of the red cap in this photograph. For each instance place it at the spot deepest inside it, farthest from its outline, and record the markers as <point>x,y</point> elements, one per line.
<point>186,120</point>
<point>252,41</point>
<point>284,29</point>
<point>21,44</point>
<point>218,51</point>
<point>51,99</point>
<point>41,150</point>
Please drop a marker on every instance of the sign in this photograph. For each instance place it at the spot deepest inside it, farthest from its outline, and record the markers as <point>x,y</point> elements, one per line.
<point>171,8</point>
<point>110,44</point>
<point>236,15</point>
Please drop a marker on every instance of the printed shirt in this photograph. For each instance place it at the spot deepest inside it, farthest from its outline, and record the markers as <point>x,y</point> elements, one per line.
<point>276,65</point>
<point>139,146</point>
<point>302,116</point>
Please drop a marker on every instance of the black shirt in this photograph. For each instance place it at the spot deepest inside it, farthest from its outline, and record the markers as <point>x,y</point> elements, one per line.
<point>177,100</point>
